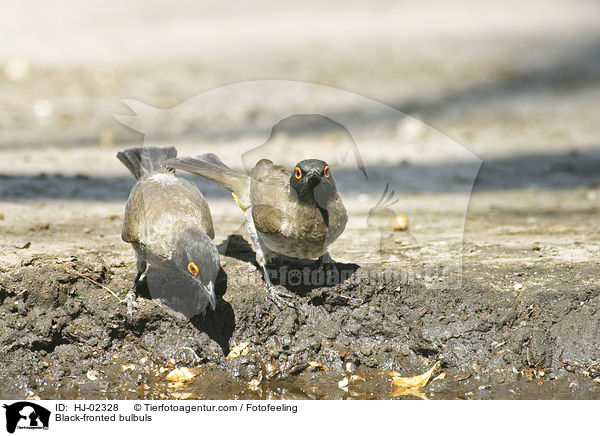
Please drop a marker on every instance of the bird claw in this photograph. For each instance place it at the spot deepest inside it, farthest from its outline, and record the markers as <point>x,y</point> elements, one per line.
<point>131,301</point>
<point>276,296</point>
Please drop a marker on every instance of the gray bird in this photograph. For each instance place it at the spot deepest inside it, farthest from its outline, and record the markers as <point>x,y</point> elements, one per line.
<point>168,222</point>
<point>297,215</point>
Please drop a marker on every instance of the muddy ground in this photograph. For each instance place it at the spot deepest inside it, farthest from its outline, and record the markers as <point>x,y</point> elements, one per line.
<point>519,318</point>
<point>523,323</point>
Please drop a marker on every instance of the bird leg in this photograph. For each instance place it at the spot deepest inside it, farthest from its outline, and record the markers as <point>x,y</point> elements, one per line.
<point>130,300</point>
<point>263,254</point>
<point>131,297</point>
<point>274,293</point>
<point>330,268</point>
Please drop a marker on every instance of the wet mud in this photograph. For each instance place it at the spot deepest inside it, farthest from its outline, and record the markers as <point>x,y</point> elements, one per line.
<point>68,335</point>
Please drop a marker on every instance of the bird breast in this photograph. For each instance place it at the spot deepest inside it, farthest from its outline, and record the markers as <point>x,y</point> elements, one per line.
<point>303,232</point>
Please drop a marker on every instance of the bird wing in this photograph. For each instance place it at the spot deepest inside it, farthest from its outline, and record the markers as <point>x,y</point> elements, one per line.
<point>210,166</point>
<point>269,184</point>
<point>267,219</point>
<point>154,208</point>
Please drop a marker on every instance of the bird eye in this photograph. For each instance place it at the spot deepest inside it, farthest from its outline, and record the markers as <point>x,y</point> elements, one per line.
<point>193,269</point>
<point>298,173</point>
<point>326,171</point>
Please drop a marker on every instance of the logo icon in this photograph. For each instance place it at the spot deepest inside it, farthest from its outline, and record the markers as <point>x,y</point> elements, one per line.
<point>26,415</point>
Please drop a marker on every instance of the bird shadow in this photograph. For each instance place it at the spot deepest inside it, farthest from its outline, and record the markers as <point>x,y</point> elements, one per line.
<point>237,247</point>
<point>218,324</point>
<point>182,297</point>
<point>299,276</point>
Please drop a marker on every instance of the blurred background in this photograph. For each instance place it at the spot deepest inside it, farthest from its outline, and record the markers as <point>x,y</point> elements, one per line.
<point>495,76</point>
<point>515,83</point>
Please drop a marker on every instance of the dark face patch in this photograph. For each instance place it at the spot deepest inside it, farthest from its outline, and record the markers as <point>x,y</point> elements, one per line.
<point>196,256</point>
<point>312,182</point>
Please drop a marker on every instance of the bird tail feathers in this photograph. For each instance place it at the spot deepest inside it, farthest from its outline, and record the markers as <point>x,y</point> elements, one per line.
<point>145,160</point>
<point>211,167</point>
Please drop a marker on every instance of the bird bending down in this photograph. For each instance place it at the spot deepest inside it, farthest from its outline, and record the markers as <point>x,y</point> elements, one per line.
<point>297,215</point>
<point>168,223</point>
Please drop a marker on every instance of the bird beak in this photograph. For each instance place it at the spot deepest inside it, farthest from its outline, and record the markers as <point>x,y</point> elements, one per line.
<point>210,293</point>
<point>314,177</point>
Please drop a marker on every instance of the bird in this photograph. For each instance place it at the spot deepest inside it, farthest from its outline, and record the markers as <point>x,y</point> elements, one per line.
<point>297,215</point>
<point>169,225</point>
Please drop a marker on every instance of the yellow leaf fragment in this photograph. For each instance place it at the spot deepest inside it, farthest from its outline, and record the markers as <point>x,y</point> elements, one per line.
<point>441,376</point>
<point>239,350</point>
<point>360,377</point>
<point>126,367</point>
<point>270,368</point>
<point>318,365</point>
<point>183,374</point>
<point>184,395</point>
<point>254,384</point>
<point>412,392</point>
<point>416,382</point>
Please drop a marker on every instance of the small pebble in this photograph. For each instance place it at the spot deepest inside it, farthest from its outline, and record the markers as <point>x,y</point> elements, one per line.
<point>400,223</point>
<point>350,367</point>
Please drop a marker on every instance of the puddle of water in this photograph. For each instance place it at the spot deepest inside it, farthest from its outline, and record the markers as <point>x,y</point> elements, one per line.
<point>217,385</point>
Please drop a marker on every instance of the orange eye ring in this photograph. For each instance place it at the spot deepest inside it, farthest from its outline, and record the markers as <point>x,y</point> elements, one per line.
<point>326,171</point>
<point>298,173</point>
<point>193,269</point>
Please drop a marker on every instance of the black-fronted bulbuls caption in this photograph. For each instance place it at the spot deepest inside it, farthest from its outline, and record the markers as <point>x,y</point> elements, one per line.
<point>168,223</point>
<point>297,215</point>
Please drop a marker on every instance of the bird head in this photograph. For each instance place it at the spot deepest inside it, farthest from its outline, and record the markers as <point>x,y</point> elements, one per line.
<point>197,258</point>
<point>312,181</point>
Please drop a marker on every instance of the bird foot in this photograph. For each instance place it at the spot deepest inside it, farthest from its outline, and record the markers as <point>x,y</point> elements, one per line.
<point>131,301</point>
<point>330,269</point>
<point>278,296</point>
